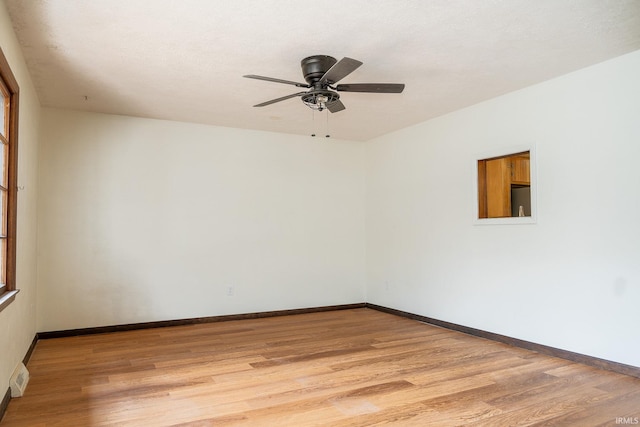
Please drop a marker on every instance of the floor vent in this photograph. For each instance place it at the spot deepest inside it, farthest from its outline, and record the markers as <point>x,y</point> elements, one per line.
<point>19,381</point>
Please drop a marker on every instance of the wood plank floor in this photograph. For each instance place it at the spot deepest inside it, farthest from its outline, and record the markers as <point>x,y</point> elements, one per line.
<point>355,367</point>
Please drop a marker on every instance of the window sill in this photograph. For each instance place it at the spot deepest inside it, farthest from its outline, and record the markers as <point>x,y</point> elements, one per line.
<point>511,220</point>
<point>7,298</point>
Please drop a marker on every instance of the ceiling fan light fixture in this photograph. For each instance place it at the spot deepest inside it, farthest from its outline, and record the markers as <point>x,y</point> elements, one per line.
<point>319,99</point>
<point>318,104</point>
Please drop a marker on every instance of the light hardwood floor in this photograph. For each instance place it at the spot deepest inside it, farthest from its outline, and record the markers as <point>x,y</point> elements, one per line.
<point>355,367</point>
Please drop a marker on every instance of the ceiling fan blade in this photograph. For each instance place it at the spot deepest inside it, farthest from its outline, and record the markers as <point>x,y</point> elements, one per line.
<point>271,79</point>
<point>372,87</point>
<point>336,106</point>
<point>273,101</point>
<point>340,70</point>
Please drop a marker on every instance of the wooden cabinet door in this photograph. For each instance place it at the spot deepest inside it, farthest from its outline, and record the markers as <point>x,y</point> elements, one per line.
<point>498,181</point>
<point>520,170</point>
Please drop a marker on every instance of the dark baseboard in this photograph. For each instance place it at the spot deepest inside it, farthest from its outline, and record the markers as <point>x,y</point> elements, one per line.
<point>5,403</point>
<point>539,348</point>
<point>32,347</point>
<point>193,321</point>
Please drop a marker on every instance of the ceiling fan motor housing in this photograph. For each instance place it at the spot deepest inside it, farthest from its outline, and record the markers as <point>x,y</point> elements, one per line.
<point>314,67</point>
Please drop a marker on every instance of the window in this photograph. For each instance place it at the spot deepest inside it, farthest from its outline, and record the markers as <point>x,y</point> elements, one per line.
<point>506,188</point>
<point>8,185</point>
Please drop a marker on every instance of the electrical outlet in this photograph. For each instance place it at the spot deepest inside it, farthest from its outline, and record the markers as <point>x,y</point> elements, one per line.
<point>231,290</point>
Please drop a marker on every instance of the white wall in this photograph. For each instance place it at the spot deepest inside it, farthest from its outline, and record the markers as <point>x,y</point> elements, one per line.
<point>18,320</point>
<point>572,280</point>
<point>143,220</point>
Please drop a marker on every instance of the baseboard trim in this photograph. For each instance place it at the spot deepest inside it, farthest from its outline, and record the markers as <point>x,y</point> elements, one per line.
<point>32,347</point>
<point>539,348</point>
<point>608,365</point>
<point>5,403</point>
<point>192,321</point>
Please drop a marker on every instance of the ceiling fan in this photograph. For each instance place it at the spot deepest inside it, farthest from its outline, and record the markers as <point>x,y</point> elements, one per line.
<point>322,72</point>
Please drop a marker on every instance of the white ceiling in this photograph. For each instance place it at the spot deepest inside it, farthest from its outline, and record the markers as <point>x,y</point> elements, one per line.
<point>184,60</point>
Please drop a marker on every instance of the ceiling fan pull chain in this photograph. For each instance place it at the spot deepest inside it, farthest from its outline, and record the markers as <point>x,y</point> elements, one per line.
<point>327,135</point>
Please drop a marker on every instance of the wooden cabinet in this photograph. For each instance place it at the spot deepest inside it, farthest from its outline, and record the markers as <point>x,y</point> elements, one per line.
<point>497,178</point>
<point>519,166</point>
